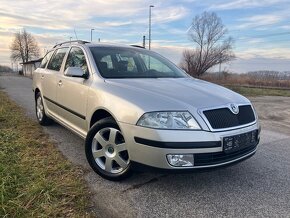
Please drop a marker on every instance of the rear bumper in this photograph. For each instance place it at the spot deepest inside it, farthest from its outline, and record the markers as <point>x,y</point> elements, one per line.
<point>150,147</point>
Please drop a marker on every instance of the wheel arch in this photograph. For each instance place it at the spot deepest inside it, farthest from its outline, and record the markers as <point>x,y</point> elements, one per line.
<point>99,114</point>
<point>36,91</point>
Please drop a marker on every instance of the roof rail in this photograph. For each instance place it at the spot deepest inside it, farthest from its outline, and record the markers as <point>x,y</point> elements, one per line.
<point>69,42</point>
<point>138,46</point>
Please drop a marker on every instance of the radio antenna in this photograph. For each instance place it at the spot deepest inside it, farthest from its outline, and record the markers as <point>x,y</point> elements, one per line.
<point>76,34</point>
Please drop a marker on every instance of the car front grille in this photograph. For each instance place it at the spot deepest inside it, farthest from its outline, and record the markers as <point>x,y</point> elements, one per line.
<point>223,117</point>
<point>220,157</point>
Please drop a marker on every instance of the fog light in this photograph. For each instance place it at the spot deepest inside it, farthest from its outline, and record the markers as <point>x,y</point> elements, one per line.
<point>180,160</point>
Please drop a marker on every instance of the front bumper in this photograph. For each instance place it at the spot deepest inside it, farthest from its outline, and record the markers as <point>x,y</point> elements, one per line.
<point>151,146</point>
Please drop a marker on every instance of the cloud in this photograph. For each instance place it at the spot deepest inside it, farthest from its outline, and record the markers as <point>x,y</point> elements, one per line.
<point>285,27</point>
<point>254,41</point>
<point>169,14</point>
<point>172,52</point>
<point>54,21</point>
<point>126,21</point>
<point>4,48</point>
<point>248,60</point>
<point>253,64</point>
<point>243,4</point>
<point>249,53</point>
<point>56,15</point>
<point>259,20</point>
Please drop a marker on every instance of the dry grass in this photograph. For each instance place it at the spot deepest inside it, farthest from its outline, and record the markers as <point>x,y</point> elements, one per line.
<point>246,80</point>
<point>36,180</point>
<point>251,84</point>
<point>251,92</point>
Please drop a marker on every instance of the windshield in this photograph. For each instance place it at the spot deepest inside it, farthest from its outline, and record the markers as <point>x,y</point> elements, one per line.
<point>116,62</point>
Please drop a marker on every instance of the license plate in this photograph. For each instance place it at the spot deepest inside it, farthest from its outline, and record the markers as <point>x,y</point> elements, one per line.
<point>238,142</point>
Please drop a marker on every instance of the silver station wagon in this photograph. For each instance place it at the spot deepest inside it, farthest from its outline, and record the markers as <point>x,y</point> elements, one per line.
<point>136,109</point>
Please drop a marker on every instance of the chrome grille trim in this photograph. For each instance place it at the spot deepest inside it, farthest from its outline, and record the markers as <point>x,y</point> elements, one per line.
<point>201,113</point>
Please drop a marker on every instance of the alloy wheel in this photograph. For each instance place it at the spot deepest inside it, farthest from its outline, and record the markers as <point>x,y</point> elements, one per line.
<point>109,150</point>
<point>39,108</point>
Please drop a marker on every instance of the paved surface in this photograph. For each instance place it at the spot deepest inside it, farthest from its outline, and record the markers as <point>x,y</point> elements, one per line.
<point>258,187</point>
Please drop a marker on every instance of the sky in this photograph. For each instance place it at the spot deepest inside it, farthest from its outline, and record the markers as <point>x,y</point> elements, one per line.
<point>260,28</point>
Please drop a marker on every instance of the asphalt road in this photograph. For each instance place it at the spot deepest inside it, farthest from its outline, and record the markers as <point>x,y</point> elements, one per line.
<point>257,187</point>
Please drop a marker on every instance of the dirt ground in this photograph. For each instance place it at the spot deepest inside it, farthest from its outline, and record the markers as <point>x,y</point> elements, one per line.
<point>274,112</point>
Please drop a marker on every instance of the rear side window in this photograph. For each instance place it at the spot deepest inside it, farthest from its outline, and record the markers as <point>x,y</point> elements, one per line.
<point>56,60</point>
<point>45,59</point>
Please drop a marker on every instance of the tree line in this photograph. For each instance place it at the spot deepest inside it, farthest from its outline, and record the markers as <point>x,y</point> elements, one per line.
<point>5,69</point>
<point>270,74</point>
<point>263,78</point>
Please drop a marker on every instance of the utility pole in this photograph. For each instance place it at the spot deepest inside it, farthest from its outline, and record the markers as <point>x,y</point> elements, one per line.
<point>92,34</point>
<point>144,41</point>
<point>151,6</point>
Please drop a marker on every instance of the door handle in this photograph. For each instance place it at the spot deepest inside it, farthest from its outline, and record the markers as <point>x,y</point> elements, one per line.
<point>59,83</point>
<point>42,76</point>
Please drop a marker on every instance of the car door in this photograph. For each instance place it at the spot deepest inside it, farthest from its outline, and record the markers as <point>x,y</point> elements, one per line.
<point>49,79</point>
<point>72,91</point>
<point>39,73</point>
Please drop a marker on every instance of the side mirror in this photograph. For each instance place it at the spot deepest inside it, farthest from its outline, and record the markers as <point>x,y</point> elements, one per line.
<point>75,72</point>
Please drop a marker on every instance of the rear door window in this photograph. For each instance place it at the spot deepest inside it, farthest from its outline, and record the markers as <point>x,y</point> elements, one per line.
<point>45,59</point>
<point>57,59</point>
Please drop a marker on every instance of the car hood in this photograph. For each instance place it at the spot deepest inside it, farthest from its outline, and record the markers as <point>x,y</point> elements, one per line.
<point>176,93</point>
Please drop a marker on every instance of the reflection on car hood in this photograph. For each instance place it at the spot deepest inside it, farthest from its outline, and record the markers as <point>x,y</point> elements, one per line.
<point>175,93</point>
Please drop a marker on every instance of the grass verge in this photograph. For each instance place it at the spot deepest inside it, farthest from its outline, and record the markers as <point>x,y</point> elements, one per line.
<point>249,91</point>
<point>36,180</point>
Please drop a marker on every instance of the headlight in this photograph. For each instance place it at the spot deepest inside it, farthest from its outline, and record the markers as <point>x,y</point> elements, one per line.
<point>168,120</point>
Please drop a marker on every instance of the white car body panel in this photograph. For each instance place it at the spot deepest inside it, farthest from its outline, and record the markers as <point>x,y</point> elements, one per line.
<point>73,101</point>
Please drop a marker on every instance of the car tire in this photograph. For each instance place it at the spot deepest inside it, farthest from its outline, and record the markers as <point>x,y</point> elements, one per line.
<point>41,116</point>
<point>106,150</point>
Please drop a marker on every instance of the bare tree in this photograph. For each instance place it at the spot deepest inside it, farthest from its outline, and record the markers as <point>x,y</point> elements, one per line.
<point>24,47</point>
<point>208,34</point>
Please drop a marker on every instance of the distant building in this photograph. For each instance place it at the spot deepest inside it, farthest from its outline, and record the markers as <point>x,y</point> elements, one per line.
<point>30,66</point>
